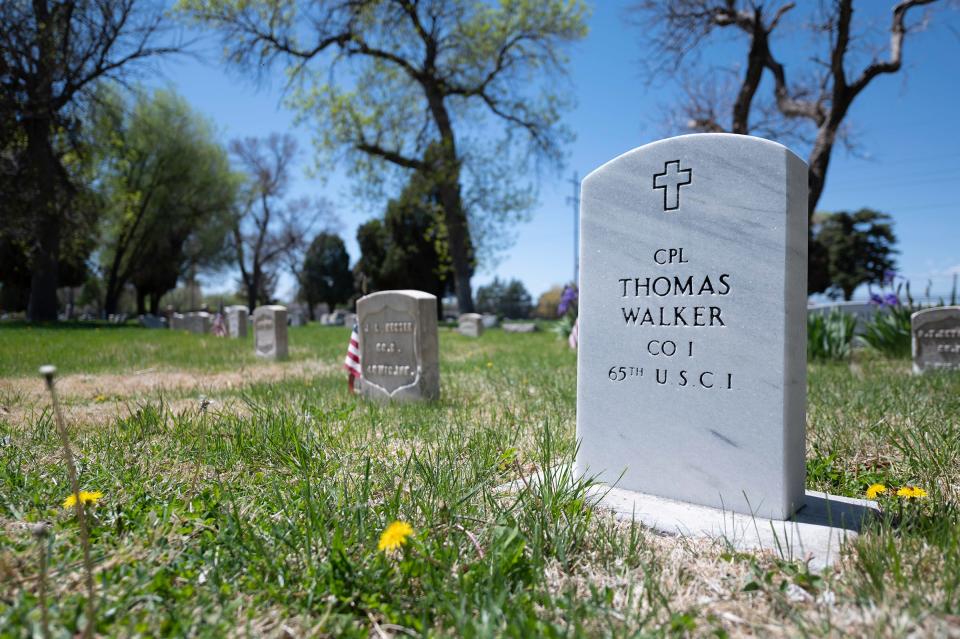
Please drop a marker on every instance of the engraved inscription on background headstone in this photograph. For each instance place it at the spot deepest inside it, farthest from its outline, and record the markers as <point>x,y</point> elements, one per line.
<point>270,331</point>
<point>399,348</point>
<point>237,320</point>
<point>198,322</point>
<point>936,339</point>
<point>691,376</point>
<point>519,327</point>
<point>470,324</point>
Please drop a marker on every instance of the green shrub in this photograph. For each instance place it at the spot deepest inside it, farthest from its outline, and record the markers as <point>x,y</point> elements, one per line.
<point>889,333</point>
<point>829,337</point>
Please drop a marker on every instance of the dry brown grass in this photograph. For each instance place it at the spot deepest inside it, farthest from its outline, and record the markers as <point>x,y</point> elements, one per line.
<point>94,400</point>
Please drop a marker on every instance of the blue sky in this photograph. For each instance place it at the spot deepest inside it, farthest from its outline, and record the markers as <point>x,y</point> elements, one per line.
<point>906,126</point>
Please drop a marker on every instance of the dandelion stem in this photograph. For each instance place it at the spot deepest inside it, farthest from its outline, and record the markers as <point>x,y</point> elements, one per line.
<point>49,372</point>
<point>40,532</point>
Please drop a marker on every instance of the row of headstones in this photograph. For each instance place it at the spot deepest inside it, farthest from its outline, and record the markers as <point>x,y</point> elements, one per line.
<point>269,327</point>
<point>691,374</point>
<point>473,324</point>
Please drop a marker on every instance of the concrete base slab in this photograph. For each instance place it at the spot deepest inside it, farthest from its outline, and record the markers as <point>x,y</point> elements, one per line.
<point>815,532</point>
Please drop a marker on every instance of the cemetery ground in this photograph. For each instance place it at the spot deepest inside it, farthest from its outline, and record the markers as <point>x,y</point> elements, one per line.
<point>242,497</point>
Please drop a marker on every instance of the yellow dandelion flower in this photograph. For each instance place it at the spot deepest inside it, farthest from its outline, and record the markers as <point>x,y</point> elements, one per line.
<point>86,496</point>
<point>911,492</point>
<point>489,364</point>
<point>394,536</point>
<point>876,489</point>
<point>100,399</point>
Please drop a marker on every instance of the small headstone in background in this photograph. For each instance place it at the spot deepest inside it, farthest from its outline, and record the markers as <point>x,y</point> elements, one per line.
<point>691,377</point>
<point>237,320</point>
<point>151,321</point>
<point>349,320</point>
<point>936,339</point>
<point>470,324</point>
<point>270,331</point>
<point>399,347</point>
<point>519,327</point>
<point>177,322</point>
<point>490,320</point>
<point>297,318</point>
<point>198,322</point>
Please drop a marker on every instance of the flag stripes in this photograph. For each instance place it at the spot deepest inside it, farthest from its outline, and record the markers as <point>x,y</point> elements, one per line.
<point>352,360</point>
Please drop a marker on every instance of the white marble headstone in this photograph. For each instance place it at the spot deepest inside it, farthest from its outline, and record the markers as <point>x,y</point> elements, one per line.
<point>270,331</point>
<point>399,346</point>
<point>936,339</point>
<point>691,377</point>
<point>470,324</point>
<point>237,320</point>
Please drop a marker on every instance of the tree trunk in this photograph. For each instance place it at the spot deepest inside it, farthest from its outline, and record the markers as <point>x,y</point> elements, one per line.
<point>111,301</point>
<point>457,238</point>
<point>751,81</point>
<point>253,289</point>
<point>447,180</point>
<point>45,271</point>
<point>141,302</point>
<point>42,175</point>
<point>155,303</point>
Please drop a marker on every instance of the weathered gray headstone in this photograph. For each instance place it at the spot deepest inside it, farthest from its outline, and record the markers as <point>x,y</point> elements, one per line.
<point>270,331</point>
<point>691,377</point>
<point>936,339</point>
<point>198,322</point>
<point>237,320</point>
<point>470,324</point>
<point>399,347</point>
<point>490,320</point>
<point>151,321</point>
<point>519,327</point>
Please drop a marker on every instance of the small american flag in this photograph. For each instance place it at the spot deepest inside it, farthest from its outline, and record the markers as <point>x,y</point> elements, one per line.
<point>219,327</point>
<point>352,361</point>
<point>574,338</point>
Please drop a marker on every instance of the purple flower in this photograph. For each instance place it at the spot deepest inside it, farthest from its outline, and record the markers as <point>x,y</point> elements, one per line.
<point>875,298</point>
<point>888,276</point>
<point>891,299</point>
<point>568,298</point>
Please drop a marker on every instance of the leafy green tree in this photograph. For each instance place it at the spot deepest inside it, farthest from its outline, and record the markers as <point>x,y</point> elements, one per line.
<point>408,248</point>
<point>506,299</point>
<point>548,302</point>
<point>373,239</point>
<point>52,55</point>
<point>171,196</point>
<point>859,247</point>
<point>411,83</point>
<point>326,276</point>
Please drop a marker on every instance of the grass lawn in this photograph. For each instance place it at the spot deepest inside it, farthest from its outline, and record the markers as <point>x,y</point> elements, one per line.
<point>246,498</point>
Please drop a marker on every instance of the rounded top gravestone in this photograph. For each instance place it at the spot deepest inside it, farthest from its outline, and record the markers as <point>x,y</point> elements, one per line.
<point>936,339</point>
<point>399,346</point>
<point>691,380</point>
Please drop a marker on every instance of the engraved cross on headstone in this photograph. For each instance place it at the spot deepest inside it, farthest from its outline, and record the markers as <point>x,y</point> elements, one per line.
<point>672,178</point>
